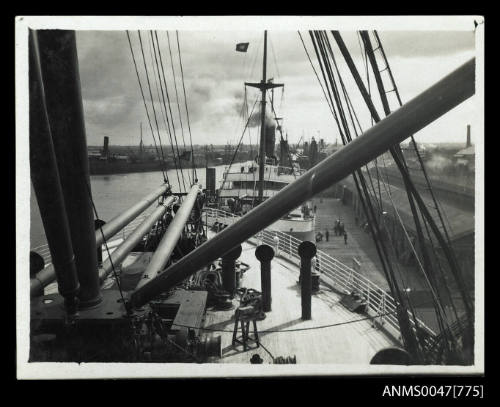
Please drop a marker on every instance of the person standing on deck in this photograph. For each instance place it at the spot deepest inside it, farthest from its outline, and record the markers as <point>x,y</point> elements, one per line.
<point>345,237</point>
<point>337,227</point>
<point>327,234</point>
<point>276,244</point>
<point>314,209</point>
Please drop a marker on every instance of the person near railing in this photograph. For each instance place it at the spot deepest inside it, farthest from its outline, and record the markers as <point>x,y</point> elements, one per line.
<point>276,240</point>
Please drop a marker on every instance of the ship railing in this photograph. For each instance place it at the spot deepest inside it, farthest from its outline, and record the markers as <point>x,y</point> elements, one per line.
<point>333,273</point>
<point>44,251</point>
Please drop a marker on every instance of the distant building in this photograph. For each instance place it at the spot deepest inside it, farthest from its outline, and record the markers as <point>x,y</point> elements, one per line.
<point>466,158</point>
<point>410,154</point>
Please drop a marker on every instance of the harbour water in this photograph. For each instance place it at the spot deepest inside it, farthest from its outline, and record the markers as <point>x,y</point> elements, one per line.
<point>112,194</point>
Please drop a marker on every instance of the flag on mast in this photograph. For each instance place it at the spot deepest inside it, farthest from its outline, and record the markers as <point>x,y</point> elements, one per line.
<point>242,46</point>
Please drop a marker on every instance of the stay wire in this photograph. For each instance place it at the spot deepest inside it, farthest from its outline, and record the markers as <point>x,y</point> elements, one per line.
<point>117,280</point>
<point>165,177</point>
<point>239,143</point>
<point>387,259</point>
<point>367,207</point>
<point>316,73</point>
<point>170,110</point>
<point>163,109</point>
<point>151,96</point>
<point>186,105</point>
<point>177,99</point>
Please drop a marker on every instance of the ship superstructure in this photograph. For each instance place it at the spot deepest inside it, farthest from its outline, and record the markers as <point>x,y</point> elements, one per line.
<point>247,184</point>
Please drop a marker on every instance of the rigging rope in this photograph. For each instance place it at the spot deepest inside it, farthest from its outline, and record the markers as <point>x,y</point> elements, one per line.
<point>186,105</point>
<point>315,73</point>
<point>151,96</point>
<point>170,111</point>
<point>407,333</point>
<point>177,99</point>
<point>437,306</point>
<point>163,109</point>
<point>274,57</point>
<point>237,147</point>
<point>399,160</point>
<point>165,177</point>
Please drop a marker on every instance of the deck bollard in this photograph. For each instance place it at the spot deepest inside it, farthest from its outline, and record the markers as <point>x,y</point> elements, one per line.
<point>265,254</point>
<point>306,250</point>
<point>229,269</point>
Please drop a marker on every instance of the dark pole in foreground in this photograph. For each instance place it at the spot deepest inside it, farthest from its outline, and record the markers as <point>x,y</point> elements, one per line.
<point>61,79</point>
<point>229,269</point>
<point>262,145</point>
<point>48,187</point>
<point>265,254</point>
<point>410,118</point>
<point>306,250</point>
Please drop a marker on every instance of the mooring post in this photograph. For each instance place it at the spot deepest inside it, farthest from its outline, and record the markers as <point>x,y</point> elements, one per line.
<point>229,269</point>
<point>265,254</point>
<point>306,250</point>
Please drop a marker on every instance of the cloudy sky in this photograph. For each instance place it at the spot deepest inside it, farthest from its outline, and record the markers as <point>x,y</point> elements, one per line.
<point>214,75</point>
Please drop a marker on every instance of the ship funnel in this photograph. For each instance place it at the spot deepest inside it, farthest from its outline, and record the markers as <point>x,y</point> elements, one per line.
<point>270,138</point>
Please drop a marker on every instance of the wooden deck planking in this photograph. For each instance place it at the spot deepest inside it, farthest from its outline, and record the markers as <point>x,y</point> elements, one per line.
<point>345,344</point>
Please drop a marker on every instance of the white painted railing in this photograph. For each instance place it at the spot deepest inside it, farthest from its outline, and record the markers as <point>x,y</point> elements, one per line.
<point>333,273</point>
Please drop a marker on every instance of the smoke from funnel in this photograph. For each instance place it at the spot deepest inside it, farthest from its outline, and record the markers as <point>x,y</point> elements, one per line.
<point>255,119</point>
<point>270,130</point>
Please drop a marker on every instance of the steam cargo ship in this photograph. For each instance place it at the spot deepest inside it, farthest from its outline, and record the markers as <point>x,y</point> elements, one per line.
<point>246,185</point>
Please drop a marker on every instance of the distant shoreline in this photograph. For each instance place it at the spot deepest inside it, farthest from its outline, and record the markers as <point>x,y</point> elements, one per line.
<point>105,168</point>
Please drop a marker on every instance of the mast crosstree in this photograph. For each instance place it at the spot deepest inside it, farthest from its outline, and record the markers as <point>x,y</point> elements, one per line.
<point>263,85</point>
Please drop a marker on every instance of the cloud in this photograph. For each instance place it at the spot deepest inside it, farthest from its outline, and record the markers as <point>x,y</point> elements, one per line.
<point>214,74</point>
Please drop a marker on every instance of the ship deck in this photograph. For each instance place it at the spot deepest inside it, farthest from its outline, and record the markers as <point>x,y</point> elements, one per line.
<point>346,343</point>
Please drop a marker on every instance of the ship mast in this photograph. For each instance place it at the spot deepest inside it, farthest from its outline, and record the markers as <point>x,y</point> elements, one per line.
<point>263,86</point>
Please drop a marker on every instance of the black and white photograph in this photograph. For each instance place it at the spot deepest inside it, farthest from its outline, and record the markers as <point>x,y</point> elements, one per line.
<point>213,196</point>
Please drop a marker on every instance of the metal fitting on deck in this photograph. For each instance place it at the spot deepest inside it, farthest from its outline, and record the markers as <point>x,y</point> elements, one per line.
<point>306,250</point>
<point>265,254</point>
<point>229,269</point>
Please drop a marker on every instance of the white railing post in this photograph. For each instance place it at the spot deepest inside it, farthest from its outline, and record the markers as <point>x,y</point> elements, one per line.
<point>350,284</point>
<point>382,315</point>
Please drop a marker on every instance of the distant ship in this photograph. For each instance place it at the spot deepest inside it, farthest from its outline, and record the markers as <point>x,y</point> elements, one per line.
<point>248,184</point>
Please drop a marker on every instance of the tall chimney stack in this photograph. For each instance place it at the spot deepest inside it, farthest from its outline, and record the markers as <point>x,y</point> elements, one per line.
<point>105,150</point>
<point>468,137</point>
